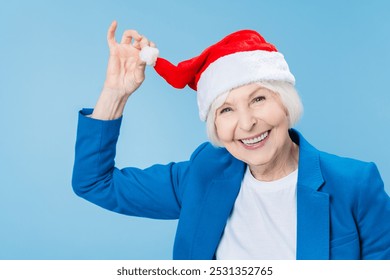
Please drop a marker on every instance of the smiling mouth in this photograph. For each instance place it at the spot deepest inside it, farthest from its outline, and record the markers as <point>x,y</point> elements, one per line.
<point>255,140</point>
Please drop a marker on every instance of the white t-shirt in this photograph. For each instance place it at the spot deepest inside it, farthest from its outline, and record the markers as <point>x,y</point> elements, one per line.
<point>263,222</point>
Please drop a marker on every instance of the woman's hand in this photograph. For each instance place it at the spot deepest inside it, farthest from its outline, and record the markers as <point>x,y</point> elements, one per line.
<point>125,70</point>
<point>125,73</point>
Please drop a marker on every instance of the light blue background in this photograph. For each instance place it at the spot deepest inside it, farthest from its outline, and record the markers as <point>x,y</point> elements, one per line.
<point>52,63</point>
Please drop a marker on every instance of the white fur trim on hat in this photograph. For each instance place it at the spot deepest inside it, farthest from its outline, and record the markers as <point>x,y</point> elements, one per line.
<point>149,55</point>
<point>238,69</point>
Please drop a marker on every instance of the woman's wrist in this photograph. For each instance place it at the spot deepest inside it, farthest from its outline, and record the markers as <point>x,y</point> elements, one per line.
<point>110,104</point>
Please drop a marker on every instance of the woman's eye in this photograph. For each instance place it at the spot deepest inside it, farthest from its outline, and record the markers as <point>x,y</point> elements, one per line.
<point>258,99</point>
<point>225,110</point>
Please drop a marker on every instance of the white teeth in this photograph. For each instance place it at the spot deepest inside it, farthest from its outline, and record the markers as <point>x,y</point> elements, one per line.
<point>256,139</point>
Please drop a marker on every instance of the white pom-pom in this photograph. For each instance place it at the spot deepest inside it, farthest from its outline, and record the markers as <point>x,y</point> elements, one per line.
<point>149,55</point>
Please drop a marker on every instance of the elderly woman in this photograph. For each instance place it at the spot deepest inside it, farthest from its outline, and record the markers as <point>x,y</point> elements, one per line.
<point>260,190</point>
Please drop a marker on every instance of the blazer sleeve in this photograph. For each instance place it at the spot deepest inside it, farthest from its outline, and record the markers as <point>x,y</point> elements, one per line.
<point>373,216</point>
<point>151,192</point>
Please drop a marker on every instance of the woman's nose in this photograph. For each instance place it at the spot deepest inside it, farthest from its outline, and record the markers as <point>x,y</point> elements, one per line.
<point>247,121</point>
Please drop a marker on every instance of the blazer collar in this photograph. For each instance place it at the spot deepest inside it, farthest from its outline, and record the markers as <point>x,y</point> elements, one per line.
<point>312,205</point>
<point>309,169</point>
<point>219,201</point>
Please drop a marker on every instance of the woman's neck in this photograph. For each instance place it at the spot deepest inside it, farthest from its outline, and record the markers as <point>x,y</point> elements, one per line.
<point>285,162</point>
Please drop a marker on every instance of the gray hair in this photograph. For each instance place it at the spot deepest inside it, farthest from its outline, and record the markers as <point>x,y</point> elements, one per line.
<point>287,93</point>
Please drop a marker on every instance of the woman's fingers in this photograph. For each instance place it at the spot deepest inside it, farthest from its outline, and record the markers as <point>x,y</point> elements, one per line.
<point>111,33</point>
<point>129,35</point>
<point>144,42</point>
<point>140,43</point>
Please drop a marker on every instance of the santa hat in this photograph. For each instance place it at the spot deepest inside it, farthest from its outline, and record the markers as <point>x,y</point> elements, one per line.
<point>240,58</point>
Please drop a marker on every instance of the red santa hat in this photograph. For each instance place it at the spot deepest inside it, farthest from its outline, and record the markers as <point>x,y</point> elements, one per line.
<point>240,58</point>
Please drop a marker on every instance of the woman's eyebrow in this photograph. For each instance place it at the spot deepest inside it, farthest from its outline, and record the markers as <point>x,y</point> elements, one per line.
<point>251,94</point>
<point>255,91</point>
<point>226,103</point>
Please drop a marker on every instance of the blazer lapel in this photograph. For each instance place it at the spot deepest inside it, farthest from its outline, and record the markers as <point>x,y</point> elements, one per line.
<point>312,205</point>
<point>218,204</point>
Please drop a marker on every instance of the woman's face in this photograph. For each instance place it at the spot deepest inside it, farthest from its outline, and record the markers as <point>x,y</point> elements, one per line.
<point>253,125</point>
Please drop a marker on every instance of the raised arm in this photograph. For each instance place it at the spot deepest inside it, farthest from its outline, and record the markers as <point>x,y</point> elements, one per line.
<point>151,192</point>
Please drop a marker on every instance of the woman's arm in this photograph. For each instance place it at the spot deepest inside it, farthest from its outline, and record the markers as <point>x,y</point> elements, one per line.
<point>152,192</point>
<point>373,216</point>
<point>148,193</point>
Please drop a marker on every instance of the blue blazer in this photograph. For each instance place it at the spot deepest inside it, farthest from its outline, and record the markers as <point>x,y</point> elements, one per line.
<point>343,211</point>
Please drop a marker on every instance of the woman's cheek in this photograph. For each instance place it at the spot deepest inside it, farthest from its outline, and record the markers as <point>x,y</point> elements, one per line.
<point>222,131</point>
